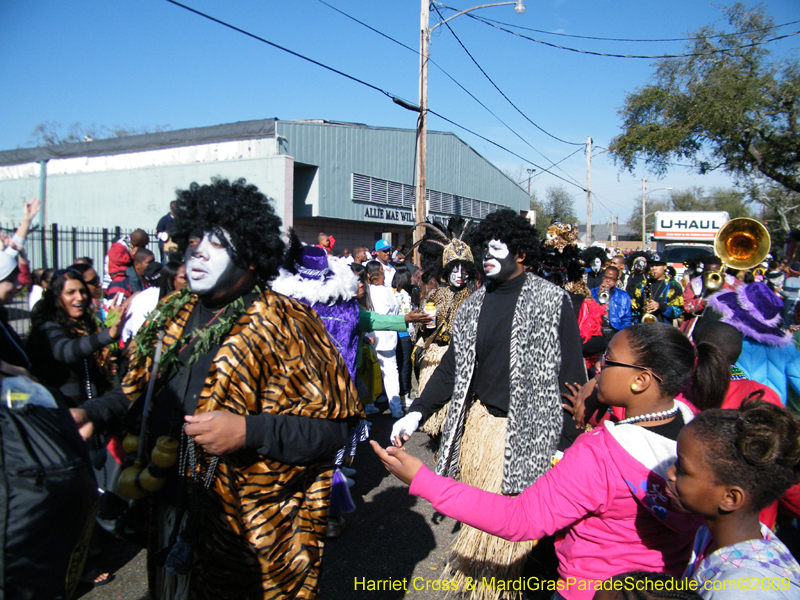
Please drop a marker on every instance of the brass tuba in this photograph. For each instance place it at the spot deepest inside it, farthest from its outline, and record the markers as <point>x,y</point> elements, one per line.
<point>741,244</point>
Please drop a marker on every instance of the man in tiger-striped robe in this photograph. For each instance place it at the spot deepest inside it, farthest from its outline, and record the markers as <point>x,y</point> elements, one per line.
<point>271,397</point>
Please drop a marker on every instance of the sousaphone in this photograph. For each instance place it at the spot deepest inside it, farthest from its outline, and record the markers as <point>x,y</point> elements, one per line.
<point>740,244</point>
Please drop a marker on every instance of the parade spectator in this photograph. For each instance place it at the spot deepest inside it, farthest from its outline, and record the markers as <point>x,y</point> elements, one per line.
<point>120,256</point>
<point>13,357</point>
<point>768,355</point>
<point>731,465</point>
<point>164,229</point>
<point>606,496</point>
<point>66,345</point>
<point>325,242</point>
<point>384,302</point>
<point>383,253</point>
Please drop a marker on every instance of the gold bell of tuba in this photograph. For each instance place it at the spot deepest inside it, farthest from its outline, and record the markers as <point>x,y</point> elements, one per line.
<point>741,244</point>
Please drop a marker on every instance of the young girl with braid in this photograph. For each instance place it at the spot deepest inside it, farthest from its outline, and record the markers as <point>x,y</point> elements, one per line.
<point>731,464</point>
<point>606,499</point>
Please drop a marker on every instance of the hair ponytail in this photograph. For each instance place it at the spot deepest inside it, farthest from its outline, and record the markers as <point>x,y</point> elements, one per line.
<point>756,447</point>
<point>712,376</point>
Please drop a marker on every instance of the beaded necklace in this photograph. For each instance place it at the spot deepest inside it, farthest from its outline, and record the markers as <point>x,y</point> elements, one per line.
<point>737,374</point>
<point>656,416</point>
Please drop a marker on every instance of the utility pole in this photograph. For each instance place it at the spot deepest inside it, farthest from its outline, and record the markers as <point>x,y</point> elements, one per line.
<point>612,231</point>
<point>422,124</point>
<point>644,217</point>
<point>588,191</point>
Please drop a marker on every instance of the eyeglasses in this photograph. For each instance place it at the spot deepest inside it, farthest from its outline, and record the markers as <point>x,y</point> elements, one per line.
<point>95,281</point>
<point>613,363</point>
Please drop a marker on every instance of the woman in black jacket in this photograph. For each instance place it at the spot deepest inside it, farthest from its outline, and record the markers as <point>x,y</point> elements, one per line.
<point>67,345</point>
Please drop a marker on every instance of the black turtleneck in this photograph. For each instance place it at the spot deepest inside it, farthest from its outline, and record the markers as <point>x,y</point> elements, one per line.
<point>490,380</point>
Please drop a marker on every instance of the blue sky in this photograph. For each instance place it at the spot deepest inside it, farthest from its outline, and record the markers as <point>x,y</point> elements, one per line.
<point>144,63</point>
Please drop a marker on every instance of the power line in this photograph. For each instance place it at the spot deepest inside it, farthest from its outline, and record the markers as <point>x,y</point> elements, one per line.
<point>498,89</point>
<point>433,112</point>
<point>558,163</point>
<point>292,52</point>
<point>464,89</point>
<point>648,57</point>
<point>394,98</point>
<point>605,39</point>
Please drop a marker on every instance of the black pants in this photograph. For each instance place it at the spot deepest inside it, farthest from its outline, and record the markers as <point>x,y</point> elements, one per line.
<point>403,354</point>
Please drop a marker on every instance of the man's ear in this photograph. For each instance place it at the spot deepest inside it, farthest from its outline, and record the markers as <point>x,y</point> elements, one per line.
<point>521,257</point>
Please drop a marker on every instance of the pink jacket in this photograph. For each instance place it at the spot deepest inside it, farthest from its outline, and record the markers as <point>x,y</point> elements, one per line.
<point>607,508</point>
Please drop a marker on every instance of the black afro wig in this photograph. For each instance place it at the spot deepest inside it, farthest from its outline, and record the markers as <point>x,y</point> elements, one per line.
<point>243,212</point>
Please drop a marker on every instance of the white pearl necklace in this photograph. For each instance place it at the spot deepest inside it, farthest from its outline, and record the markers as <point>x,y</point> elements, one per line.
<point>657,416</point>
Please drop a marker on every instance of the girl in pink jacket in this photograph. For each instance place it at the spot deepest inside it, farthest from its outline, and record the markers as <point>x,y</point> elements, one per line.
<point>606,499</point>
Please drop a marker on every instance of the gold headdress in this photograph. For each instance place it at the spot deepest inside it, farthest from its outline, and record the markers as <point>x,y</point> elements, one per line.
<point>561,235</point>
<point>454,248</point>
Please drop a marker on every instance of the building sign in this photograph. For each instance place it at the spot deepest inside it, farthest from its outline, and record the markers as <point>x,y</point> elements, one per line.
<point>393,215</point>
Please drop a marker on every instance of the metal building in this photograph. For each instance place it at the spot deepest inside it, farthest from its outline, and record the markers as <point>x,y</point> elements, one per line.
<point>353,181</point>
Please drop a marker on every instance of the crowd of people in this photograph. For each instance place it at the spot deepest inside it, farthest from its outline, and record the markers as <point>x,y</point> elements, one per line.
<point>646,424</point>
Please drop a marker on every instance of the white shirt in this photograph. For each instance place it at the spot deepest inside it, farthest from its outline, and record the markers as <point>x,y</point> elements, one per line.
<point>140,308</point>
<point>384,302</point>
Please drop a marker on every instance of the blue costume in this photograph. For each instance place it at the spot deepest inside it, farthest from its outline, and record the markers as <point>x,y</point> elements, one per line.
<point>619,307</point>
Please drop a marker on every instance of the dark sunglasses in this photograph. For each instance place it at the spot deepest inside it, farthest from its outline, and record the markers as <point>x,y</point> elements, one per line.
<point>604,362</point>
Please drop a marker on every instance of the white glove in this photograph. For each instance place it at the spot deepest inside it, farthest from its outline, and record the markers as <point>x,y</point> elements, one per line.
<point>405,426</point>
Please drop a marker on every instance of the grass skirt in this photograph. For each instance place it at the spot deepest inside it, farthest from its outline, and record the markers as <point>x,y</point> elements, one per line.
<point>477,554</point>
<point>433,356</point>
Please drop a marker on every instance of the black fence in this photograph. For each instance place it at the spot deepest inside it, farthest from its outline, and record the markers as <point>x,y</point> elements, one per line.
<point>57,247</point>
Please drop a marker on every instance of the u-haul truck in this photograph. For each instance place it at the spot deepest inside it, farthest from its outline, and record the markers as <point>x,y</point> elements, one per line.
<point>682,235</point>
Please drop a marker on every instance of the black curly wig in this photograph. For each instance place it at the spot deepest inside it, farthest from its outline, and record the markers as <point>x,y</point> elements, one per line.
<point>557,267</point>
<point>243,212</point>
<point>593,252</point>
<point>511,228</point>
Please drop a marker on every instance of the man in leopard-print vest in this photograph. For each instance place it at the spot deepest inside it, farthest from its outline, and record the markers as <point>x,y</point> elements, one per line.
<point>260,399</point>
<point>515,345</point>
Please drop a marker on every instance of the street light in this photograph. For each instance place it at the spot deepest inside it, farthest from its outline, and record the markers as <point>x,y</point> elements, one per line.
<point>644,211</point>
<point>422,121</point>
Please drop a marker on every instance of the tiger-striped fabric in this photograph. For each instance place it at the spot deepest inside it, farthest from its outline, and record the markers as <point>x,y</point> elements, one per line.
<point>263,527</point>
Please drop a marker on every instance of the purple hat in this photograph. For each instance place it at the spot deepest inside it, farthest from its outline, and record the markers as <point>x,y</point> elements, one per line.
<point>754,310</point>
<point>313,263</point>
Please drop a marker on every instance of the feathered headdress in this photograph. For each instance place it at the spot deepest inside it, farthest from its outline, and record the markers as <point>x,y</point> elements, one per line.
<point>440,248</point>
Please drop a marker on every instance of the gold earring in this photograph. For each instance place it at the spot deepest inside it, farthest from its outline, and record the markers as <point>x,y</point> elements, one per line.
<point>633,386</point>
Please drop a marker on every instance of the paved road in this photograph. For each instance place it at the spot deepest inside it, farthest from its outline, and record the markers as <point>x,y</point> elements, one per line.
<point>391,535</point>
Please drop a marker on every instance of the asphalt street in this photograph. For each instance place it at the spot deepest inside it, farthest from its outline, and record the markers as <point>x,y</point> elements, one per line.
<point>390,536</point>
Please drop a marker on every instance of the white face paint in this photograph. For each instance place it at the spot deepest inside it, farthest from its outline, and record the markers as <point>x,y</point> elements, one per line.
<point>596,265</point>
<point>457,278</point>
<point>498,262</point>
<point>209,265</point>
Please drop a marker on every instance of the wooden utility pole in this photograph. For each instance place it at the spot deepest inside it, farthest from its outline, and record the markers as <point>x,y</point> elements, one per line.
<point>422,125</point>
<point>588,191</point>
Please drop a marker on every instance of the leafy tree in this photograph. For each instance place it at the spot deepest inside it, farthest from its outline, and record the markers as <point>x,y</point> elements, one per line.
<point>558,204</point>
<point>653,206</point>
<point>726,105</point>
<point>733,201</point>
<point>780,210</point>
<point>52,133</point>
